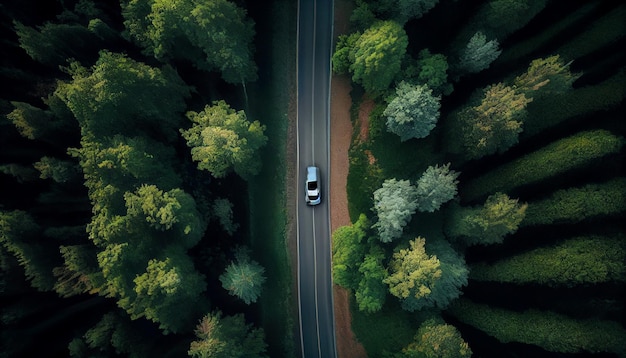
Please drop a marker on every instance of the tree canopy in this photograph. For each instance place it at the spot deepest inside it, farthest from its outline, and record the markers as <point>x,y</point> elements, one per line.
<point>394,204</point>
<point>436,186</point>
<point>413,113</point>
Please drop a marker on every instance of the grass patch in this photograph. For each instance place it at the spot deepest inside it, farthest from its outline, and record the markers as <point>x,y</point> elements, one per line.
<point>269,103</point>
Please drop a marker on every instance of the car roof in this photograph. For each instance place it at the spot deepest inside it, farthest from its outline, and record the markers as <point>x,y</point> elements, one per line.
<point>311,173</point>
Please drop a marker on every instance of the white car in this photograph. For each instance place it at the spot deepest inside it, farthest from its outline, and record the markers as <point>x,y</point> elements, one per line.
<point>313,195</point>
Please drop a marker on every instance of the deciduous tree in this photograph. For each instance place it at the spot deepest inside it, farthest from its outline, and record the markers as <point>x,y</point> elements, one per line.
<point>436,187</point>
<point>413,113</point>
<point>222,140</point>
<point>372,291</point>
<point>478,53</point>
<point>394,204</point>
<point>348,251</point>
<point>436,339</point>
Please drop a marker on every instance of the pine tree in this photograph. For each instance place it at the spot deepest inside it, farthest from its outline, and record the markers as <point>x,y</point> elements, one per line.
<point>394,204</point>
<point>436,187</point>
<point>479,53</point>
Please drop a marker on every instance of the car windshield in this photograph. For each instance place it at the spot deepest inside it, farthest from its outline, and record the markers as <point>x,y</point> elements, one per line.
<point>312,185</point>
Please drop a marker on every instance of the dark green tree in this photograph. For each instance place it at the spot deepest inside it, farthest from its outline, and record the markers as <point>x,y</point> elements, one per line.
<point>222,140</point>
<point>372,291</point>
<point>430,69</point>
<point>213,35</point>
<point>61,171</point>
<point>244,277</point>
<point>342,57</point>
<point>121,96</point>
<point>221,336</point>
<point>79,273</point>
<point>478,53</point>
<point>436,186</point>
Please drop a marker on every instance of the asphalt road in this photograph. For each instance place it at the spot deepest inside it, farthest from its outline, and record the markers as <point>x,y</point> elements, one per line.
<point>315,295</point>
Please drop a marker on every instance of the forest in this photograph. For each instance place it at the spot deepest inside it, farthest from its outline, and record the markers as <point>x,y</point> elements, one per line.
<point>487,202</point>
<point>130,134</point>
<point>488,196</point>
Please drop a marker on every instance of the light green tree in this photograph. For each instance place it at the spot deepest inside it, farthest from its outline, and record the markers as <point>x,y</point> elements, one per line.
<point>413,113</point>
<point>378,54</point>
<point>499,216</point>
<point>372,291</point>
<point>545,76</point>
<point>394,204</point>
<point>221,336</point>
<point>222,140</point>
<point>436,339</point>
<point>413,274</point>
<point>436,186</point>
<point>348,251</point>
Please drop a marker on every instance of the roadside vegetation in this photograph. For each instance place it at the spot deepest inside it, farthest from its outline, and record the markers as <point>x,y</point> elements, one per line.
<point>491,160</point>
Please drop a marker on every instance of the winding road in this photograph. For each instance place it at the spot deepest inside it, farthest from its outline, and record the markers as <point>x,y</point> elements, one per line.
<point>315,295</point>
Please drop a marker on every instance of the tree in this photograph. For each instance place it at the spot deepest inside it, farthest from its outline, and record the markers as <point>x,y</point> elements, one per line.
<point>435,187</point>
<point>79,273</point>
<point>454,273</point>
<point>413,113</point>
<point>362,16</point>
<point>545,76</point>
<point>227,337</point>
<point>213,35</point>
<point>223,211</point>
<point>378,54</point>
<point>478,53</point>
<point>372,291</point>
<point>436,339</point>
<point>499,216</point>
<point>413,274</point>
<point>431,70</point>
<point>548,330</point>
<point>30,121</point>
<point>222,140</point>
<point>578,261</point>
<point>394,204</point>
<point>412,9</point>
<point>342,58</point>
<point>348,251</point>
<point>244,278</point>
<point>503,17</point>
<point>61,171</point>
<point>121,96</point>
<point>495,124</point>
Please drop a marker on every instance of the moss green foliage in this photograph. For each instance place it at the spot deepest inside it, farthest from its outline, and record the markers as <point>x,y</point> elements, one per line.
<point>550,331</point>
<point>244,277</point>
<point>378,54</point>
<point>545,76</point>
<point>105,97</point>
<point>413,113</point>
<point>19,235</point>
<point>348,252</point>
<point>430,69</point>
<point>398,10</point>
<point>223,140</point>
<point>499,216</point>
<point>30,121</point>
<point>79,273</point>
<point>61,171</point>
<point>493,125</point>
<point>436,186</point>
<point>372,291</point>
<point>556,158</point>
<point>582,260</point>
<point>394,204</point>
<point>221,336</point>
<point>576,204</point>
<point>436,339</point>
<point>342,56</point>
<point>213,35</point>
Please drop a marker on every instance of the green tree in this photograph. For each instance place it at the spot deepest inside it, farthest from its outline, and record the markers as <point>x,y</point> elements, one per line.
<point>506,16</point>
<point>431,69</point>
<point>478,53</point>
<point>577,261</point>
<point>413,274</point>
<point>565,154</point>
<point>223,211</point>
<point>436,339</point>
<point>79,273</point>
<point>545,76</point>
<point>495,124</point>
<point>499,216</point>
<point>548,330</point>
<point>453,278</point>
<point>213,35</point>
<point>412,9</point>
<point>112,335</point>
<point>342,57</point>
<point>61,171</point>
<point>222,140</point>
<point>227,337</point>
<point>394,204</point>
<point>436,186</point>
<point>372,291</point>
<point>30,121</point>
<point>576,204</point>
<point>378,54</point>
<point>348,251</point>
<point>362,16</point>
<point>121,96</point>
<point>413,113</point>
<point>19,235</point>
<point>244,278</point>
